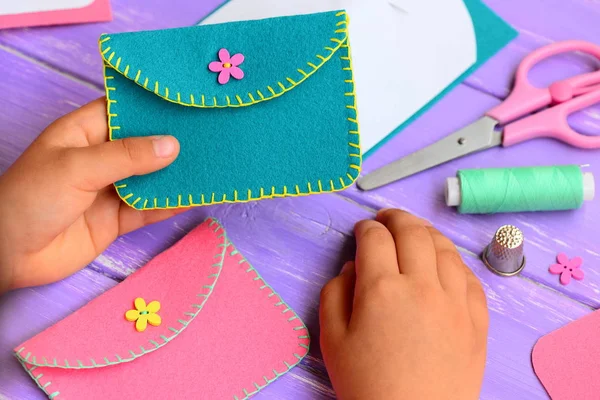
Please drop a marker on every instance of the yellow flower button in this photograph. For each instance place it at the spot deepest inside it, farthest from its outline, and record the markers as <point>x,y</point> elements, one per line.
<point>144,314</point>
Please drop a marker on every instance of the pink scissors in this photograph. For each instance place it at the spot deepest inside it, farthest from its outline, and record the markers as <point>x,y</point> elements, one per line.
<point>563,98</point>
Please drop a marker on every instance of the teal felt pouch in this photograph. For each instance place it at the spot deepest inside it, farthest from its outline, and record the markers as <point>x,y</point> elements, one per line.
<point>261,108</point>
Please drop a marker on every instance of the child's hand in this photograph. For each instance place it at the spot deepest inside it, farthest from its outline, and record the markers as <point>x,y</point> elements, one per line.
<point>408,320</point>
<point>58,209</point>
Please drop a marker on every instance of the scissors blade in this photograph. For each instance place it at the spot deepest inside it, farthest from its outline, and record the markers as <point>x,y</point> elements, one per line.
<point>480,135</point>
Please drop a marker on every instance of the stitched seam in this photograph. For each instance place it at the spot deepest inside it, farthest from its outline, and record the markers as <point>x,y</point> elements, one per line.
<point>302,330</point>
<point>156,342</point>
<point>342,36</point>
<point>341,183</point>
<point>51,394</point>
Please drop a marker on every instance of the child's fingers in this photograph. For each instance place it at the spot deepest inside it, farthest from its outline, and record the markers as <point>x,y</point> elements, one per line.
<point>87,126</point>
<point>414,245</point>
<point>458,280</point>
<point>92,168</point>
<point>335,307</point>
<point>450,267</point>
<point>477,302</point>
<point>375,254</point>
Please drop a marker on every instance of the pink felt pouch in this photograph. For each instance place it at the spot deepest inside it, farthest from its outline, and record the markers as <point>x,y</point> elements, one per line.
<point>197,322</point>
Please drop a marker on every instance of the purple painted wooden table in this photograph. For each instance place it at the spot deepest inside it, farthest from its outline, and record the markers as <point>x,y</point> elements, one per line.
<point>299,244</point>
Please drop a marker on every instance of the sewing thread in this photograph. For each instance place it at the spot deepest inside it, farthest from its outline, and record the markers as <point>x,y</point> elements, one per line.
<point>500,190</point>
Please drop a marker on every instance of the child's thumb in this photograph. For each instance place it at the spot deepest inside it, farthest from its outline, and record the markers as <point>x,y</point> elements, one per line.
<point>101,165</point>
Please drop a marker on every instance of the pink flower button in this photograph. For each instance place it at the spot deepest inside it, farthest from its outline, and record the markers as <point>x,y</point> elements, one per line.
<point>227,66</point>
<point>567,269</point>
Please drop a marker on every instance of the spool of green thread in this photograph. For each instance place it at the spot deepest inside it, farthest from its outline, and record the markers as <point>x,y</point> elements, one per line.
<point>501,190</point>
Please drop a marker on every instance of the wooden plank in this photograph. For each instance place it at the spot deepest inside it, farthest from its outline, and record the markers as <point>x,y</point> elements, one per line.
<point>300,265</point>
<point>540,22</point>
<point>553,19</point>
<point>316,231</point>
<point>574,232</point>
<point>74,48</point>
<point>33,96</point>
<point>298,245</point>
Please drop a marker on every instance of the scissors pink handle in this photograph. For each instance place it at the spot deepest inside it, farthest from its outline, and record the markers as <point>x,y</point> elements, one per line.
<point>553,122</point>
<point>526,98</point>
<point>567,96</point>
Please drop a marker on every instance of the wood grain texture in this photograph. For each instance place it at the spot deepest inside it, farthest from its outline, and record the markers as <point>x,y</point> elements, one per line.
<point>541,22</point>
<point>546,234</point>
<point>74,48</point>
<point>299,244</point>
<point>33,95</point>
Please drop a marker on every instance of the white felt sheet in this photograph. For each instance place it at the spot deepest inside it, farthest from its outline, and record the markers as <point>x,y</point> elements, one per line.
<point>405,52</point>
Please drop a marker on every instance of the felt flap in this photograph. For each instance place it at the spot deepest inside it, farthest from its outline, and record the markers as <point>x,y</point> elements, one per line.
<point>566,360</point>
<point>278,55</point>
<point>108,338</point>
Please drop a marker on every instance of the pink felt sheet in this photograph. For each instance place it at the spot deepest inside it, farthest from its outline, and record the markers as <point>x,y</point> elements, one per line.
<point>97,11</point>
<point>567,361</point>
<point>224,332</point>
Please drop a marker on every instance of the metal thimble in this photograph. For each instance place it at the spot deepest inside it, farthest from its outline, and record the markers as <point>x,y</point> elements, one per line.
<point>504,255</point>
